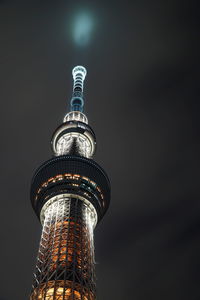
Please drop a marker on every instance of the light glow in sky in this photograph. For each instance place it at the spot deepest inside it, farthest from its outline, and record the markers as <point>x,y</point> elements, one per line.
<point>82,29</point>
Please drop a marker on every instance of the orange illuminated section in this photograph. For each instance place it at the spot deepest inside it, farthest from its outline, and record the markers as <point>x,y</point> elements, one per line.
<point>61,291</point>
<point>78,180</point>
<point>69,242</point>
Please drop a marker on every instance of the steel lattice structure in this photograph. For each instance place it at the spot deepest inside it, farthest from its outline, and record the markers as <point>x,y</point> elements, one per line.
<point>65,263</point>
<point>70,193</point>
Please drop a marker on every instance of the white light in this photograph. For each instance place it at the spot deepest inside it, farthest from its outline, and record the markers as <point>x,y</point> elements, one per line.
<point>84,145</point>
<point>75,116</point>
<point>63,200</point>
<point>78,73</point>
<point>84,141</point>
<point>79,70</point>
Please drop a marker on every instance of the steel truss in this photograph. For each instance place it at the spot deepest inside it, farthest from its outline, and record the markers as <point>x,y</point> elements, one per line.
<point>65,262</point>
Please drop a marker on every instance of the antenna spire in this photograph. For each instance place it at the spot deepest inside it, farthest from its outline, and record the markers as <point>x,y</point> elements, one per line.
<point>77,102</point>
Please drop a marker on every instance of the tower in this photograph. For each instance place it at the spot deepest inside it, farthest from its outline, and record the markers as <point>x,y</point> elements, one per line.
<point>70,194</point>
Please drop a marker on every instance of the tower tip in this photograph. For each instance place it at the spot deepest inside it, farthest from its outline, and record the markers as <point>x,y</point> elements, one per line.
<point>79,70</point>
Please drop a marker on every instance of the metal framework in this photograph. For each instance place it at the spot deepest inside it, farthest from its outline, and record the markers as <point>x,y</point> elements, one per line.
<point>65,262</point>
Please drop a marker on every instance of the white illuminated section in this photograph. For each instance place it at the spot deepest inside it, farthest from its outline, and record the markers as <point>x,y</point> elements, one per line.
<point>77,102</point>
<point>58,203</point>
<point>74,137</point>
<point>79,73</point>
<point>83,144</point>
<point>75,116</point>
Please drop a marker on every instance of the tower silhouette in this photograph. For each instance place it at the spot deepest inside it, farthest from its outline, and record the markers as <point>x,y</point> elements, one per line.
<point>70,194</point>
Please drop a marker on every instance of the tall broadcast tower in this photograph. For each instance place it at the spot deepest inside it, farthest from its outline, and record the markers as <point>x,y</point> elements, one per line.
<point>70,194</point>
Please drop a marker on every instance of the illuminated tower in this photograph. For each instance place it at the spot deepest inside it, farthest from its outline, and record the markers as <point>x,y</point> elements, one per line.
<point>70,193</point>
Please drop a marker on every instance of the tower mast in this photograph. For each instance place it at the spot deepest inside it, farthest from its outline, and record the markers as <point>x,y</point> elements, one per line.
<point>70,193</point>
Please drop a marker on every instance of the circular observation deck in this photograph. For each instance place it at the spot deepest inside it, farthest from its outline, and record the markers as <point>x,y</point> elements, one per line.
<point>72,175</point>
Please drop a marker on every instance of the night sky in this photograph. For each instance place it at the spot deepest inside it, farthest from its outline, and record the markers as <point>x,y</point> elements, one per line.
<point>142,100</point>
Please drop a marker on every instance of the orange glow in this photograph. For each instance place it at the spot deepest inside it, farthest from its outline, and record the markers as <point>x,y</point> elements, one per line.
<point>64,246</point>
<point>77,177</point>
<point>61,290</point>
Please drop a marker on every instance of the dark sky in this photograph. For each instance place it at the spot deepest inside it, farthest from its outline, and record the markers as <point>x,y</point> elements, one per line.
<point>142,100</point>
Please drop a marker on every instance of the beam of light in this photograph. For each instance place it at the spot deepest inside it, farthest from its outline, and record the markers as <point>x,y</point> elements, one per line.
<point>82,29</point>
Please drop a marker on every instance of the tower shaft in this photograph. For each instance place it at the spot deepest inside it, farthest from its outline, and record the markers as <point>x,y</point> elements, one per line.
<point>65,262</point>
